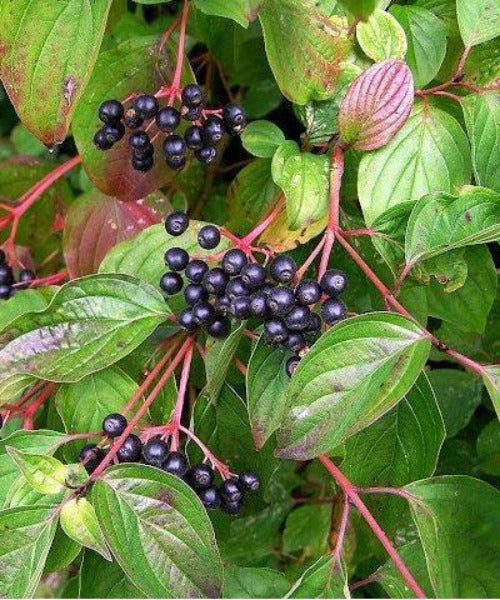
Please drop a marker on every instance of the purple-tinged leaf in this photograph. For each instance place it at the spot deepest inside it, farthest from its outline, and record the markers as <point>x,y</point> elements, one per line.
<point>376,106</point>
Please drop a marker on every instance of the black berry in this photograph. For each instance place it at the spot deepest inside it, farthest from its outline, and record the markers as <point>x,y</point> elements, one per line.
<point>253,276</point>
<point>258,305</point>
<point>168,119</point>
<point>176,223</point>
<point>283,269</point>
<point>131,449</point>
<point>206,155</point>
<point>204,313</point>
<point>236,288</point>
<point>186,320</point>
<point>275,331</point>
<point>232,507</point>
<point>101,141</point>
<point>191,114</point>
<point>210,498</point>
<point>240,307</point>
<point>91,456</point>
<point>195,293</point>
<point>142,164</point>
<point>113,132</point>
<point>111,111</point>
<point>26,276</point>
<point>6,275</point>
<point>193,137</point>
<point>298,318</point>
<point>114,425</point>
<point>295,342</point>
<point>146,106</point>
<point>333,282</point>
<point>223,304</point>
<point>219,328</point>
<point>234,118</point>
<point>291,365</point>
<point>176,259</point>
<point>233,261</point>
<point>174,145</point>
<point>333,310</point>
<point>5,291</point>
<point>213,130</point>
<point>139,140</point>
<point>132,120</point>
<point>280,301</point>
<point>215,281</point>
<point>192,96</point>
<point>176,162</point>
<point>175,464</point>
<point>201,477</point>
<point>171,283</point>
<point>249,481</point>
<point>195,270</point>
<point>155,452</point>
<point>308,292</point>
<point>230,491</point>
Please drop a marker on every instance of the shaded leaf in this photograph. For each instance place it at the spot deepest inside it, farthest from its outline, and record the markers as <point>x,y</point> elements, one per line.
<point>324,579</point>
<point>491,379</point>
<point>307,529</point>
<point>111,583</point>
<point>48,50</point>
<point>158,531</point>
<point>220,354</point>
<point>488,448</point>
<point>376,106</point>
<point>241,11</point>
<point>262,138</point>
<point>429,154</point>
<point>457,517</point>
<point>304,49</point>
<point>353,374</point>
<point>248,582</point>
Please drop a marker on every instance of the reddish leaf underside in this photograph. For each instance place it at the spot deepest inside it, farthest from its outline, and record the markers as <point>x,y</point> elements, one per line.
<point>376,106</point>
<point>96,223</point>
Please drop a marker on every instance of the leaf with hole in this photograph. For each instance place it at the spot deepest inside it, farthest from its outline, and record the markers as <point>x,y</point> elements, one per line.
<point>354,374</point>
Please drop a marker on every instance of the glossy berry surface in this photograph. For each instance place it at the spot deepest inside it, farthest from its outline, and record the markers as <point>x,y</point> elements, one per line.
<point>234,117</point>
<point>280,301</point>
<point>275,331</point>
<point>213,130</point>
<point>215,281</point>
<point>232,507</point>
<point>210,498</point>
<point>233,261</point>
<point>295,342</point>
<point>171,283</point>
<point>176,258</point>
<point>253,276</point>
<point>194,293</point>
<point>308,292</point>
<point>175,464</point>
<point>209,237</point>
<point>291,364</point>
<point>206,155</point>
<point>155,452</point>
<point>187,321</point>
<point>176,223</point>
<point>194,137</point>
<point>139,140</point>
<point>111,111</point>
<point>114,425</point>
<point>146,106</point>
<point>174,145</point>
<point>283,269</point>
<point>201,477</point>
<point>298,318</point>
<point>230,490</point>
<point>168,119</point>
<point>236,288</point>
<point>91,456</point>
<point>196,270</point>
<point>333,310</point>
<point>249,481</point>
<point>131,450</point>
<point>219,328</point>
<point>192,96</point>
<point>333,282</point>
<point>203,313</point>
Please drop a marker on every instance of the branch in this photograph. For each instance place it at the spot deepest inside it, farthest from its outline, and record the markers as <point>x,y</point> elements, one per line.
<point>351,493</point>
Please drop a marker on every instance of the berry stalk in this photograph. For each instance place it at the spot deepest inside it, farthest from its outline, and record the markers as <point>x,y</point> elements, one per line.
<point>352,494</point>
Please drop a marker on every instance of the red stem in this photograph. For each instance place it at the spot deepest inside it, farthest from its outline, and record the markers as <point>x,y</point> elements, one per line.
<point>141,412</point>
<point>342,530</point>
<point>265,223</point>
<point>176,82</point>
<point>181,394</point>
<point>351,493</point>
<point>30,412</point>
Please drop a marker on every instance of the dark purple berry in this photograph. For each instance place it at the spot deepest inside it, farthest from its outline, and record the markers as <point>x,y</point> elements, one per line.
<point>249,481</point>
<point>175,464</point>
<point>139,140</point>
<point>192,96</point>
<point>26,276</point>
<point>114,425</point>
<point>234,118</point>
<point>282,269</point>
<point>194,293</point>
<point>215,281</point>
<point>146,106</point>
<point>210,498</point>
<point>275,331</point>
<point>193,137</point>
<point>113,133</point>
<point>186,320</point>
<point>91,456</point>
<point>206,155</point>
<point>5,291</point>
<point>176,162</point>
<point>298,318</point>
<point>280,301</point>
<point>213,130</point>
<point>204,313</point>
<point>131,449</point>
<point>171,283</point>
<point>333,310</point>
<point>200,477</point>
<point>131,120</point>
<point>155,452</point>
<point>240,308</point>
<point>191,114</point>
<point>295,342</point>
<point>219,328</point>
<point>174,145</point>
<point>101,141</point>
<point>223,305</point>
<point>333,282</point>
<point>291,364</point>
<point>195,270</point>
<point>176,259</point>
<point>258,305</point>
<point>253,276</point>
<point>6,275</point>
<point>232,507</point>
<point>176,223</point>
<point>142,164</point>
<point>233,261</point>
<point>230,490</point>
<point>111,111</point>
<point>308,292</point>
<point>168,119</point>
<point>236,288</point>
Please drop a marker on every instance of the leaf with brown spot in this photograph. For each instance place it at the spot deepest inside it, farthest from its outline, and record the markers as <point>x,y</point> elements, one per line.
<point>96,223</point>
<point>304,48</point>
<point>376,106</point>
<point>49,50</point>
<point>129,67</point>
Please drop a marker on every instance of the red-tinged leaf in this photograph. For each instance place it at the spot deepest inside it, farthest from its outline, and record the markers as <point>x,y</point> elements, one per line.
<point>96,223</point>
<point>376,106</point>
<point>129,67</point>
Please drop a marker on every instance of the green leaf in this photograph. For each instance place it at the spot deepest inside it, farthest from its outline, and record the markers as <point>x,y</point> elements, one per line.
<point>253,582</point>
<point>266,382</point>
<point>48,52</point>
<point>478,21</point>
<point>29,442</point>
<point>111,583</point>
<point>324,579</point>
<point>491,379</point>
<point>250,196</point>
<point>381,37</point>
<point>262,138</point>
<point>62,553</point>
<point>426,35</point>
<point>79,522</point>
<point>143,255</point>
<point>482,118</point>
<point>469,305</point>
<point>82,406</point>
<point>90,324</point>
<point>26,534</point>
<point>241,11</point>
<point>45,474</point>
<point>458,520</point>
<point>158,532</point>
<point>458,394</point>
<point>304,179</point>
<point>352,375</point>
<point>220,354</point>
<point>429,154</point>
<point>123,68</point>
<point>307,529</point>
<point>361,8</point>
<point>439,223</point>
<point>488,448</point>
<point>414,558</point>
<point>304,49</point>
<point>25,301</point>
<point>400,447</point>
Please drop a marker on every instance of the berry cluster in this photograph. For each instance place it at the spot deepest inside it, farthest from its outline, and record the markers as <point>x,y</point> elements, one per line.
<point>229,495</point>
<point>241,289</point>
<point>202,136</point>
<point>8,284</point>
